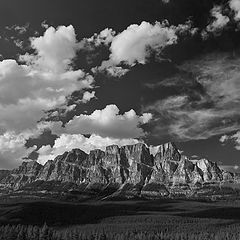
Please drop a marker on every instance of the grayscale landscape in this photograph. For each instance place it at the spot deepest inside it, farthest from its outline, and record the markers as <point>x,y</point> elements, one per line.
<point>120,120</point>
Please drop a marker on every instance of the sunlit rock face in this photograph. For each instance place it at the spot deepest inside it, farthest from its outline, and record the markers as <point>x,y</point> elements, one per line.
<point>210,170</point>
<point>166,152</point>
<point>138,163</point>
<point>184,171</point>
<point>95,157</point>
<point>26,173</point>
<point>111,164</point>
<point>68,167</point>
<point>28,168</point>
<point>165,162</point>
<point>130,164</point>
<point>131,169</point>
<point>227,176</point>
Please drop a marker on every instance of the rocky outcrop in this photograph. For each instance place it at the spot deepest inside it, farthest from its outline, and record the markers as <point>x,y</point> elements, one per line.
<point>68,167</point>
<point>137,163</point>
<point>183,173</point>
<point>31,168</point>
<point>227,176</point>
<point>210,170</point>
<point>131,170</point>
<point>167,151</point>
<point>165,162</point>
<point>131,164</point>
<point>26,173</point>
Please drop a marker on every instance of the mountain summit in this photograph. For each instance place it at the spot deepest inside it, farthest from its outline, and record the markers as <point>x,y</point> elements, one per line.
<point>127,168</point>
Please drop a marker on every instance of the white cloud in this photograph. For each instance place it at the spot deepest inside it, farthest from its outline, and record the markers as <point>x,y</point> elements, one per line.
<point>136,43</point>
<point>116,71</point>
<point>55,50</point>
<point>45,25</point>
<point>165,1</point>
<point>12,149</point>
<point>105,37</point>
<point>43,82</point>
<point>224,138</point>
<point>235,6</point>
<point>234,137</point>
<point>106,123</point>
<point>40,83</point>
<point>67,142</point>
<point>106,126</point>
<point>87,96</point>
<point>219,22</point>
<point>133,44</point>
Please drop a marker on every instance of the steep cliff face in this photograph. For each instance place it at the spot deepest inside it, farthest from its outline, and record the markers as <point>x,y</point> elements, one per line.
<point>31,168</point>
<point>130,164</point>
<point>138,163</point>
<point>111,165</point>
<point>227,176</point>
<point>95,157</point>
<point>166,152</point>
<point>172,167</point>
<point>210,170</point>
<point>183,173</point>
<point>75,156</point>
<point>165,162</point>
<point>26,173</point>
<point>68,167</point>
<point>131,169</point>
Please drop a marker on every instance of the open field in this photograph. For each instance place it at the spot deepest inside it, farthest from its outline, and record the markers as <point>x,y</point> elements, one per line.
<point>135,219</point>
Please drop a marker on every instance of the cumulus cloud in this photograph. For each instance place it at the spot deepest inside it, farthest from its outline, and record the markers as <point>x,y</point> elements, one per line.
<point>112,71</point>
<point>235,6</point>
<point>136,43</point>
<point>105,37</point>
<point>87,96</point>
<point>219,22</point>
<point>41,82</point>
<point>214,111</point>
<point>224,138</point>
<point>12,149</point>
<point>55,50</point>
<point>133,44</point>
<point>67,142</point>
<point>106,127</point>
<point>234,138</point>
<point>107,122</point>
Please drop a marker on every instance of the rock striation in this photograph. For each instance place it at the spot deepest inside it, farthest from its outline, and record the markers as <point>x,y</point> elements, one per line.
<point>130,169</point>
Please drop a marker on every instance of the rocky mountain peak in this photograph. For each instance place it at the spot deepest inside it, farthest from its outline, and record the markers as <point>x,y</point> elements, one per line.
<point>112,149</point>
<point>76,156</point>
<point>130,165</point>
<point>185,163</point>
<point>95,156</point>
<point>168,151</point>
<point>28,168</point>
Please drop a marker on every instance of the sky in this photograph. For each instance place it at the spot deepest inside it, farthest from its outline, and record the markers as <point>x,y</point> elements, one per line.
<point>87,74</point>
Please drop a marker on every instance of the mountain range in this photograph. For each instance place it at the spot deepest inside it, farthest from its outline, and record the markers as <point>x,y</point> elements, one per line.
<point>128,170</point>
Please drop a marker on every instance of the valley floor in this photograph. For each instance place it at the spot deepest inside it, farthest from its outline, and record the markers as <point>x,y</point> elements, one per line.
<point>48,218</point>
